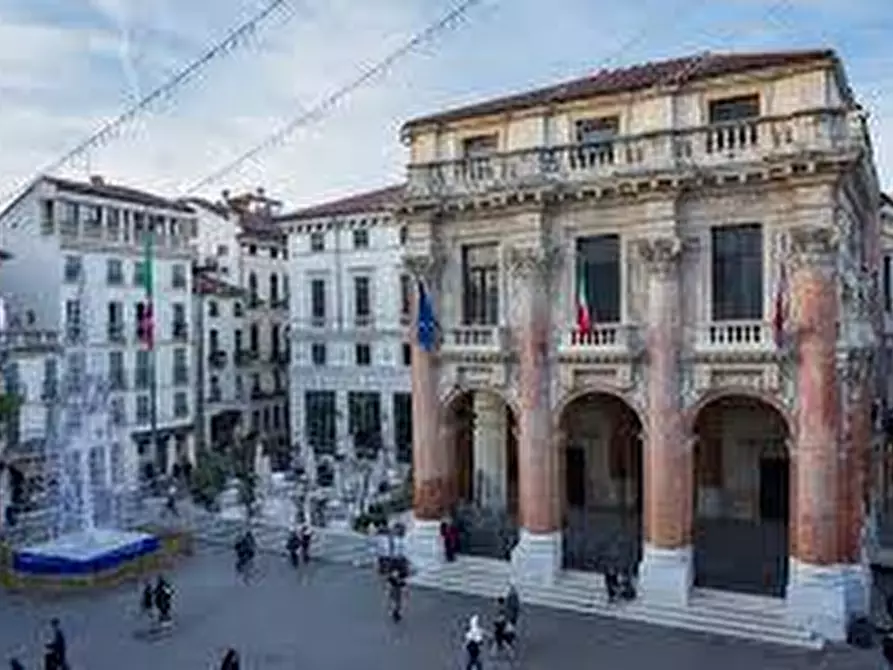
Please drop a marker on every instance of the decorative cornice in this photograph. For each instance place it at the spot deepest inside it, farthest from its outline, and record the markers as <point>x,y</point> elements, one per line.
<point>661,254</point>
<point>813,246</point>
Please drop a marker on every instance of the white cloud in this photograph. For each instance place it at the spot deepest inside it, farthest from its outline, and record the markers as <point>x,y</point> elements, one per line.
<point>115,47</point>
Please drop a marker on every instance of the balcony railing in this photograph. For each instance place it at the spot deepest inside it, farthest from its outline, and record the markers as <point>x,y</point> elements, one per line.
<point>28,339</point>
<point>746,141</point>
<point>736,335</point>
<point>474,338</point>
<point>609,337</point>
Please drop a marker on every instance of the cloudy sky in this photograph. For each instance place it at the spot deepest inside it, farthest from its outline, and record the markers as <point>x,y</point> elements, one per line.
<point>68,65</point>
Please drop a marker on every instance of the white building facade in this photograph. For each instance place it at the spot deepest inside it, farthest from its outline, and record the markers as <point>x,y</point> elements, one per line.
<point>350,373</point>
<point>239,238</point>
<point>78,267</point>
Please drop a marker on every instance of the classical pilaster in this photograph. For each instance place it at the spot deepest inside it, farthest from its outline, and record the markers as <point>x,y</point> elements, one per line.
<point>538,553</point>
<point>819,591</point>
<point>666,571</point>
<point>433,461</point>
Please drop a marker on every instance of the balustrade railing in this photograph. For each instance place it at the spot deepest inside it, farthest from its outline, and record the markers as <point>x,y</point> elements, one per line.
<point>28,339</point>
<point>736,335</point>
<point>750,140</point>
<point>474,337</point>
<point>610,336</point>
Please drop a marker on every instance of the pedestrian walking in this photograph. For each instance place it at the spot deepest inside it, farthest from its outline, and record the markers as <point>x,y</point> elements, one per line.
<point>230,660</point>
<point>512,605</point>
<point>396,586</point>
<point>164,596</point>
<point>171,503</point>
<point>15,664</point>
<point>293,547</point>
<point>305,536</point>
<point>147,601</point>
<point>474,643</point>
<point>57,649</point>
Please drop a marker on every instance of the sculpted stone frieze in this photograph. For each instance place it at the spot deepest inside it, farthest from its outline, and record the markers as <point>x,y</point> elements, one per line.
<point>661,255</point>
<point>812,246</point>
<point>533,262</point>
<point>427,267</point>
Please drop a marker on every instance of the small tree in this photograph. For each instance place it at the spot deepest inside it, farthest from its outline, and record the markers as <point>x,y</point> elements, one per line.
<point>243,459</point>
<point>208,480</point>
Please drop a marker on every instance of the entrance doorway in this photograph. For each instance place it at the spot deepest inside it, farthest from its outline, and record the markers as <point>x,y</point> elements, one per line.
<point>602,484</point>
<point>742,497</point>
<point>485,432</point>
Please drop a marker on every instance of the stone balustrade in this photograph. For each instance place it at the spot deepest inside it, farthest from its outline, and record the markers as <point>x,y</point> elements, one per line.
<point>28,339</point>
<point>736,335</point>
<point>747,141</point>
<point>613,337</point>
<point>474,338</point>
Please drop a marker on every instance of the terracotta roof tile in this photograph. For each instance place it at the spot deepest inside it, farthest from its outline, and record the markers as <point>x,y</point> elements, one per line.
<point>121,193</point>
<point>637,77</point>
<point>370,201</point>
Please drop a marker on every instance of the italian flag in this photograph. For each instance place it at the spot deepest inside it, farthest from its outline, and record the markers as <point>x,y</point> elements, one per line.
<point>584,316</point>
<point>148,322</point>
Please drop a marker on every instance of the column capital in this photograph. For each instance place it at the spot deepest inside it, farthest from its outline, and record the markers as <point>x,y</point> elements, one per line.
<point>426,267</point>
<point>661,254</point>
<point>812,246</point>
<point>533,262</point>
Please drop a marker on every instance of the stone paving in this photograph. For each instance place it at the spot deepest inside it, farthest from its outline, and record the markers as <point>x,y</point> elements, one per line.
<point>333,617</point>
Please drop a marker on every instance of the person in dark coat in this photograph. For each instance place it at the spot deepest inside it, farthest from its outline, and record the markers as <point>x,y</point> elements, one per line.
<point>15,664</point>
<point>305,536</point>
<point>293,546</point>
<point>163,600</point>
<point>57,648</point>
<point>230,660</point>
<point>512,605</point>
<point>395,595</point>
<point>147,601</point>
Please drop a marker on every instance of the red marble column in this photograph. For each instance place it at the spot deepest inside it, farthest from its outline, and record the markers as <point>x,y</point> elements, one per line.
<point>855,455</point>
<point>538,489</point>
<point>433,476</point>
<point>818,418</point>
<point>669,466</point>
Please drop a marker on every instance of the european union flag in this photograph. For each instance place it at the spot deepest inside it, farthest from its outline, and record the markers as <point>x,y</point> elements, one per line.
<point>427,323</point>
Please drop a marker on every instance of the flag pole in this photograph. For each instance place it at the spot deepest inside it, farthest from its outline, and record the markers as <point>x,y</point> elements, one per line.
<point>149,334</point>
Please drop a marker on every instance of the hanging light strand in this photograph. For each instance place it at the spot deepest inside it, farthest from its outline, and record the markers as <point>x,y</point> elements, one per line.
<point>316,113</point>
<point>234,39</point>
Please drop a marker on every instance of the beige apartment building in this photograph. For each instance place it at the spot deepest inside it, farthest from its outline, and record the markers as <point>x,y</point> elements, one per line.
<point>655,296</point>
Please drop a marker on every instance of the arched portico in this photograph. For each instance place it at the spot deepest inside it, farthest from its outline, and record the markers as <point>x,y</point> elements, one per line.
<point>482,437</point>
<point>601,481</point>
<point>742,494</point>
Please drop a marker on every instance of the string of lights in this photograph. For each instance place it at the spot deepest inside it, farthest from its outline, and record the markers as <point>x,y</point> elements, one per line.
<point>278,138</point>
<point>233,40</point>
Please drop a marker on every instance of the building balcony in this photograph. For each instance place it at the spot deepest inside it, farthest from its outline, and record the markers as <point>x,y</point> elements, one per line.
<point>735,336</point>
<point>116,333</point>
<point>614,339</point>
<point>742,142</point>
<point>475,339</point>
<point>363,321</point>
<point>28,339</point>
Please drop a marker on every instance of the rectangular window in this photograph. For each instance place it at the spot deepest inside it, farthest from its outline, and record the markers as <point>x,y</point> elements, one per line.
<point>406,350</point>
<point>318,353</point>
<point>274,341</point>
<point>181,404</point>
<point>598,131</point>
<point>213,340</point>
<point>180,367</point>
<point>73,331</point>
<point>738,108</point>
<point>737,272</point>
<point>317,241</point>
<point>116,322</point>
<point>237,340</point>
<point>143,409</point>
<point>403,426</point>
<point>139,273</point>
<point>361,300</point>
<point>405,297</point>
<point>118,411</point>
<point>117,380</point>
<point>213,309</point>
<point>74,269</point>
<point>598,267</point>
<point>178,276</point>
<point>364,422</point>
<point>47,219</point>
<point>143,370</point>
<point>361,238</point>
<point>320,417</point>
<point>180,329</point>
<point>114,272</point>
<point>363,354</point>
<point>318,301</point>
<point>480,283</point>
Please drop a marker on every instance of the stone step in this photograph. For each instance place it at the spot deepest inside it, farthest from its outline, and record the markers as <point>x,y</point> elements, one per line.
<point>584,594</point>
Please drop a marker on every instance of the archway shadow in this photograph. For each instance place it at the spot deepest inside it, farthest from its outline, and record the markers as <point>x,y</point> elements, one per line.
<point>742,497</point>
<point>602,465</point>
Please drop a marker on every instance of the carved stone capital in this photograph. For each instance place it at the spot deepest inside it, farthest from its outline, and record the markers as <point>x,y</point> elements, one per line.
<point>533,262</point>
<point>660,254</point>
<point>813,246</point>
<point>426,267</point>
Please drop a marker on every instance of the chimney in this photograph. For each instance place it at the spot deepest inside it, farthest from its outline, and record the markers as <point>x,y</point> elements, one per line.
<point>97,180</point>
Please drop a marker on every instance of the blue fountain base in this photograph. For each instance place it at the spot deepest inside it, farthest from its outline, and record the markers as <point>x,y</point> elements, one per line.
<point>91,554</point>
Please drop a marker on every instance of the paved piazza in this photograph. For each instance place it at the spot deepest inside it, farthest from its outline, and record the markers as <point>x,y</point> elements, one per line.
<point>332,617</point>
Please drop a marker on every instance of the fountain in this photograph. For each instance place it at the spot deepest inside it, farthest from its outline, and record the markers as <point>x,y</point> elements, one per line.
<point>87,543</point>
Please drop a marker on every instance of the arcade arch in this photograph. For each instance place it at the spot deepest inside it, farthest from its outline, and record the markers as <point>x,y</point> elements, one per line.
<point>602,481</point>
<point>742,497</point>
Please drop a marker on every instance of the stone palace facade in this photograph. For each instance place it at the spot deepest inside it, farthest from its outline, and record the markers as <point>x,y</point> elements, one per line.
<point>716,217</point>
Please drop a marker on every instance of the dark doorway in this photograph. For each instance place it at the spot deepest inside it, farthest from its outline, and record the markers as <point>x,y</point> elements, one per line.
<point>774,485</point>
<point>575,477</point>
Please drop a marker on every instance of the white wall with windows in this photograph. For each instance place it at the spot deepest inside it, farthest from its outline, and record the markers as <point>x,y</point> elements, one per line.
<point>350,373</point>
<point>87,241</point>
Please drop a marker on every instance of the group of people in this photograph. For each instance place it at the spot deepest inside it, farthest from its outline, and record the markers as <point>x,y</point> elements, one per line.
<point>56,654</point>
<point>158,600</point>
<point>504,633</point>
